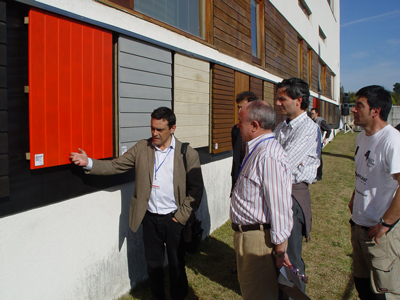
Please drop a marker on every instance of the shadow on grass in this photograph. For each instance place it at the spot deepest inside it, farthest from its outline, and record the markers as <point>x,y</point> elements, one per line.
<point>347,294</point>
<point>351,157</point>
<point>215,261</point>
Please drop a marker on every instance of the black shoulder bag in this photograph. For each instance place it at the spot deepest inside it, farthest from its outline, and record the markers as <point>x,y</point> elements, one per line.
<point>193,231</point>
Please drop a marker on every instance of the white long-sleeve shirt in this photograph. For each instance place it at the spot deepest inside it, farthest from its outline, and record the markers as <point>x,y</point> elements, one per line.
<point>262,193</point>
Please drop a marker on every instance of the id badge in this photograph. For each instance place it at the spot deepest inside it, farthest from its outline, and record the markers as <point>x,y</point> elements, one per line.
<point>156,184</point>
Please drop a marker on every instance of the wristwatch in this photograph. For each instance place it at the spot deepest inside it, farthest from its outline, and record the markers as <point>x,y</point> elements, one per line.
<point>280,254</point>
<point>382,222</point>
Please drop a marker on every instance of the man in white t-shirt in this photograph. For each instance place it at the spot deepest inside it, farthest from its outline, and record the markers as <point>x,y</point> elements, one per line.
<point>375,203</point>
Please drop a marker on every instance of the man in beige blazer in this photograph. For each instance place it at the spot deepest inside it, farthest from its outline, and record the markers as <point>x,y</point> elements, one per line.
<point>164,197</point>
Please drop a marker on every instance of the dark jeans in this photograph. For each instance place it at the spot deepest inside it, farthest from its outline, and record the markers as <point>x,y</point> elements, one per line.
<point>160,232</point>
<point>319,170</point>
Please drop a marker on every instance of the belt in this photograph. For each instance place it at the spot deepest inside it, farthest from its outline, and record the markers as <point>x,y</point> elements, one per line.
<point>159,215</point>
<point>244,228</point>
<point>363,227</point>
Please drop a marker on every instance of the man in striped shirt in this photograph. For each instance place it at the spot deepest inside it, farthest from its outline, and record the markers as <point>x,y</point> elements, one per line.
<point>301,138</point>
<point>261,205</point>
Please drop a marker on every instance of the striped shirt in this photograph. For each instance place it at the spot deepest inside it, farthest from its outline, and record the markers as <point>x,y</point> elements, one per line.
<point>301,140</point>
<point>262,193</point>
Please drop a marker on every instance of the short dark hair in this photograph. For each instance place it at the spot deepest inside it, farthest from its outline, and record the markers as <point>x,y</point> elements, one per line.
<point>246,95</point>
<point>261,112</point>
<point>296,88</point>
<point>166,114</point>
<point>377,96</point>
<point>316,110</point>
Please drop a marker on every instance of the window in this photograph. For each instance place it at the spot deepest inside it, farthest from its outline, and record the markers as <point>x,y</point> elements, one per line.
<point>257,31</point>
<point>322,34</point>
<point>255,41</point>
<point>321,78</point>
<point>187,15</point>
<point>304,7</point>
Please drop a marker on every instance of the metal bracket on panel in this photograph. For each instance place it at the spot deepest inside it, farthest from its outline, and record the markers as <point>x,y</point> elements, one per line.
<point>26,89</point>
<point>28,156</point>
<point>26,20</point>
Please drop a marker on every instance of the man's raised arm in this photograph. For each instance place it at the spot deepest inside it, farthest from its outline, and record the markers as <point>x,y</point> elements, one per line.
<point>79,159</point>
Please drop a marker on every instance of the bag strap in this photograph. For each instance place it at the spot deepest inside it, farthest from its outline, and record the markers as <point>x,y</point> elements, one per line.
<point>183,151</point>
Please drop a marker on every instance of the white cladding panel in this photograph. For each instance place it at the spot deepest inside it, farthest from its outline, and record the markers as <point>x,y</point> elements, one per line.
<point>191,100</point>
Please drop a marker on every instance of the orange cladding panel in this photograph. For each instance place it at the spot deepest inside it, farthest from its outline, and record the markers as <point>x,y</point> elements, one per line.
<point>70,89</point>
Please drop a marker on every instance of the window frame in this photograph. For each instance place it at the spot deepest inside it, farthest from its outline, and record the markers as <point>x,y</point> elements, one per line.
<point>207,25</point>
<point>260,58</point>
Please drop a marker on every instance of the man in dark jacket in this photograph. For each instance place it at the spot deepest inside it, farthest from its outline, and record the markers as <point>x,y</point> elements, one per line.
<point>325,134</point>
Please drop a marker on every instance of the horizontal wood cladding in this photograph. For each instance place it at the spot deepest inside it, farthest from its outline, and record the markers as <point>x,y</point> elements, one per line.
<point>269,93</point>
<point>281,46</point>
<point>144,84</point>
<point>191,100</point>
<point>223,104</point>
<point>232,28</point>
<point>256,86</point>
<point>328,80</point>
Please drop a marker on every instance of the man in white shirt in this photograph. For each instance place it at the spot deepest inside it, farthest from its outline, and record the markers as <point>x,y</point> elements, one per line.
<point>166,193</point>
<point>261,205</point>
<point>301,138</point>
<point>375,203</point>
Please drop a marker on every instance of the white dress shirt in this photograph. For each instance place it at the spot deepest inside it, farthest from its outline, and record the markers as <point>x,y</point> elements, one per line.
<point>301,140</point>
<point>162,198</point>
<point>262,193</point>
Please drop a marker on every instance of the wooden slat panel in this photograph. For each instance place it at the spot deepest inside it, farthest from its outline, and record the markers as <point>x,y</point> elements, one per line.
<point>66,72</point>
<point>256,86</point>
<point>280,44</point>
<point>232,28</point>
<point>144,84</point>
<point>192,78</point>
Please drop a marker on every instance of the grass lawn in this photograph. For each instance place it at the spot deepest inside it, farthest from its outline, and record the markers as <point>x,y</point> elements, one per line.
<point>327,255</point>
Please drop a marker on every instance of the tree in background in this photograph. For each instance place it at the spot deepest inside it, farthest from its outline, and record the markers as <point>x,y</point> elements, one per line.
<point>396,94</point>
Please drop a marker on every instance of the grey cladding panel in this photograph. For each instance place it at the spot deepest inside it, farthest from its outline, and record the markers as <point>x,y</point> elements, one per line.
<point>144,83</point>
<point>144,64</point>
<point>134,134</point>
<point>144,49</point>
<point>139,105</point>
<point>127,90</point>
<point>144,78</point>
<point>134,119</point>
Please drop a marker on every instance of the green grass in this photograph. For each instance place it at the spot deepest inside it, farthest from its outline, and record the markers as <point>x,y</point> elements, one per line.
<point>327,255</point>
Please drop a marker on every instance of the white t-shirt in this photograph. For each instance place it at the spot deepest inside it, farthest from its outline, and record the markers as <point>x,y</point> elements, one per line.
<point>377,158</point>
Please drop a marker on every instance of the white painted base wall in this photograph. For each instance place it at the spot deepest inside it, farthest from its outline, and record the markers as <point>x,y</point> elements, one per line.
<point>82,248</point>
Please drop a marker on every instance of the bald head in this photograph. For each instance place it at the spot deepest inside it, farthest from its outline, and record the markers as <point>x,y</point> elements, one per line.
<point>261,112</point>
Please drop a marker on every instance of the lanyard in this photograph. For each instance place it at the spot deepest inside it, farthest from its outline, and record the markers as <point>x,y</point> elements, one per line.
<point>247,157</point>
<point>159,166</point>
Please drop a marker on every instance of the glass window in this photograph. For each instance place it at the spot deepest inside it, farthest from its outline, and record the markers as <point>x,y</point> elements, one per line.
<point>255,40</point>
<point>187,15</point>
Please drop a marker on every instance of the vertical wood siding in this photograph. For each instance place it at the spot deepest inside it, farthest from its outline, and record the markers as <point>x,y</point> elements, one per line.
<point>280,44</point>
<point>70,89</point>
<point>223,103</point>
<point>144,84</point>
<point>232,28</point>
<point>191,100</point>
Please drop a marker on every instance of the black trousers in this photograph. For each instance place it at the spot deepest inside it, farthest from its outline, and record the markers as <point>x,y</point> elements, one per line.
<point>160,232</point>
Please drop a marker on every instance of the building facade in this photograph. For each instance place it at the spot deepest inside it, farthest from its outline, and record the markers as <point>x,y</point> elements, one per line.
<point>87,74</point>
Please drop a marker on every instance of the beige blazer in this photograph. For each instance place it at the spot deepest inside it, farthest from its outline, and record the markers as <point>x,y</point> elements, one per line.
<point>141,157</point>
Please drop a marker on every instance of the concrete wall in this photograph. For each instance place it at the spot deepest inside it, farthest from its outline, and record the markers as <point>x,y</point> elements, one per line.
<point>394,116</point>
<point>83,248</point>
